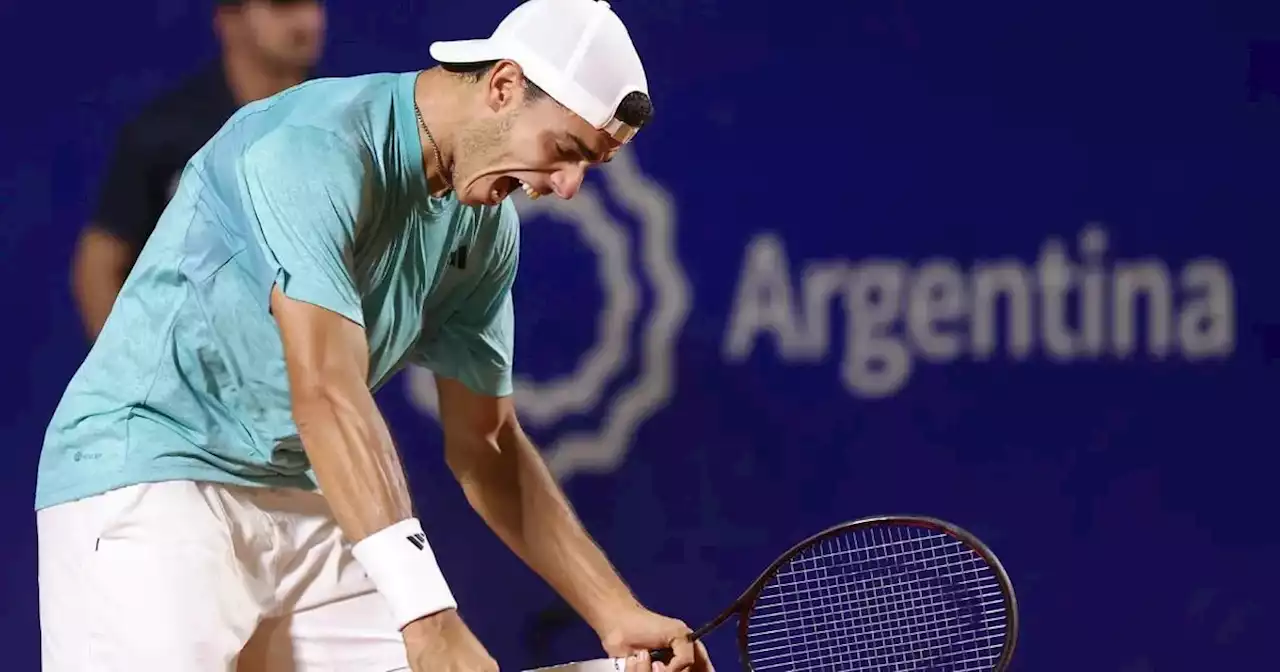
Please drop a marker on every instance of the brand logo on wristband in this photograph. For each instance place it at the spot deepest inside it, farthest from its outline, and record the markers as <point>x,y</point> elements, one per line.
<point>418,539</point>
<point>620,368</point>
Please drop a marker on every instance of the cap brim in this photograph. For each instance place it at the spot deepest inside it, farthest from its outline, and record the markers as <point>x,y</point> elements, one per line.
<point>464,51</point>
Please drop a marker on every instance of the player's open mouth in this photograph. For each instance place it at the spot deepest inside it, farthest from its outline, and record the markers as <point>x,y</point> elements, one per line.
<point>507,185</point>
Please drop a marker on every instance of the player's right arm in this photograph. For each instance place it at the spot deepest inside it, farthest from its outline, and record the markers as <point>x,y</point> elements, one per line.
<point>108,246</point>
<point>342,430</point>
<point>356,463</point>
<point>306,189</point>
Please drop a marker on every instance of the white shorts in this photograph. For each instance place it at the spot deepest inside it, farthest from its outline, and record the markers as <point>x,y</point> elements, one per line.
<point>199,577</point>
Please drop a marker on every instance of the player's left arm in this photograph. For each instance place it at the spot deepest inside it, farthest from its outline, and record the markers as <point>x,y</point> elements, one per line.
<point>507,482</point>
<point>500,470</point>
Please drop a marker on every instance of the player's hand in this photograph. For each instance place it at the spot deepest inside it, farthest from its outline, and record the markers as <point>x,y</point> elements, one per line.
<point>443,643</point>
<point>634,633</point>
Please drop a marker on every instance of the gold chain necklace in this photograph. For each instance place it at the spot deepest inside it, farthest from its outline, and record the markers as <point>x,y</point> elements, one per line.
<point>439,159</point>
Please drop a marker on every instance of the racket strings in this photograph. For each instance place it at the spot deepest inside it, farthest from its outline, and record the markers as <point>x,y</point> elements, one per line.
<point>885,598</point>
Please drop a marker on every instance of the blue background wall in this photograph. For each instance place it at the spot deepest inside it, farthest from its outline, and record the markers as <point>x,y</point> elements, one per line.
<point>873,159</point>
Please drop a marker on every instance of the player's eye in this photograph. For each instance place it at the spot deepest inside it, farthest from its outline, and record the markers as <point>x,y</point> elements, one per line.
<point>568,153</point>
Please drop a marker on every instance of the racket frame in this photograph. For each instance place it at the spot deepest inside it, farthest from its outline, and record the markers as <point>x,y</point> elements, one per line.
<point>741,607</point>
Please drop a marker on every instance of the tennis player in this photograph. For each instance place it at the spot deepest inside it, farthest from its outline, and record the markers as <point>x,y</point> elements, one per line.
<point>324,238</point>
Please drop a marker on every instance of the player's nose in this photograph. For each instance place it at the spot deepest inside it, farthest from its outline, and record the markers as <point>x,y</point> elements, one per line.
<point>567,181</point>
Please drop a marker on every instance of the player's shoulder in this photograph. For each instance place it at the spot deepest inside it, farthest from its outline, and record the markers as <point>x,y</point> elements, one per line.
<point>349,112</point>
<point>320,114</point>
<point>372,82</point>
<point>285,151</point>
<point>340,97</point>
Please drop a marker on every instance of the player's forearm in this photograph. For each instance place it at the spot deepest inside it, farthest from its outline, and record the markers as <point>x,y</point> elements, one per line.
<point>354,459</point>
<point>360,473</point>
<point>515,493</point>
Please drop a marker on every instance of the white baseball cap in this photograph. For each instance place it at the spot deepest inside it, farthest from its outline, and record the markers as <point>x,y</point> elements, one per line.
<point>577,51</point>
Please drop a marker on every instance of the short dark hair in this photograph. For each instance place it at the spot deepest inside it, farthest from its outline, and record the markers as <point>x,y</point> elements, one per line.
<point>636,109</point>
<point>474,72</point>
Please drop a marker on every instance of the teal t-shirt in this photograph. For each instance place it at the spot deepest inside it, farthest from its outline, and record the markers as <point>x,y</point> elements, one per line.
<point>320,190</point>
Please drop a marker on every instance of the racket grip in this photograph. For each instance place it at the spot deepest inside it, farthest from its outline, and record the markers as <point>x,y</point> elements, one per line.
<point>663,656</point>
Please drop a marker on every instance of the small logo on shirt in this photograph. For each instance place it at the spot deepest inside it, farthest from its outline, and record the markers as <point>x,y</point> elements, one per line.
<point>418,539</point>
<point>458,258</point>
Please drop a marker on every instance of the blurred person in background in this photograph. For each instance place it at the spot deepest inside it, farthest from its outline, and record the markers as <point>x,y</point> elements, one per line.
<point>267,46</point>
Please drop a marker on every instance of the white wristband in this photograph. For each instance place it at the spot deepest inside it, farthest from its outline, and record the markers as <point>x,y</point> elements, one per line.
<point>403,568</point>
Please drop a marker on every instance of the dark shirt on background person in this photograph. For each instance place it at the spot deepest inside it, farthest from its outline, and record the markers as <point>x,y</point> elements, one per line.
<point>153,148</point>
<point>267,46</point>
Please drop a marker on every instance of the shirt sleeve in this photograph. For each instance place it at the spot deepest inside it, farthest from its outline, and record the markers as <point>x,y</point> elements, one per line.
<point>476,345</point>
<point>124,207</point>
<point>306,190</point>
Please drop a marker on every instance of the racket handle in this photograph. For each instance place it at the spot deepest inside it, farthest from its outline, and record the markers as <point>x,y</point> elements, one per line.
<point>663,656</point>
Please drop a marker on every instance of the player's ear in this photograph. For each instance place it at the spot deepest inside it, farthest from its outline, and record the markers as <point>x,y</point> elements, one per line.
<point>506,83</point>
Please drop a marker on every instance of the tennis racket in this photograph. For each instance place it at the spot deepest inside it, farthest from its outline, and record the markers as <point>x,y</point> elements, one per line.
<point>900,593</point>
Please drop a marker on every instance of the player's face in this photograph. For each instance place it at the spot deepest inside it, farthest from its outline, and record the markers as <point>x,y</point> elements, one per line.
<point>287,33</point>
<point>539,146</point>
